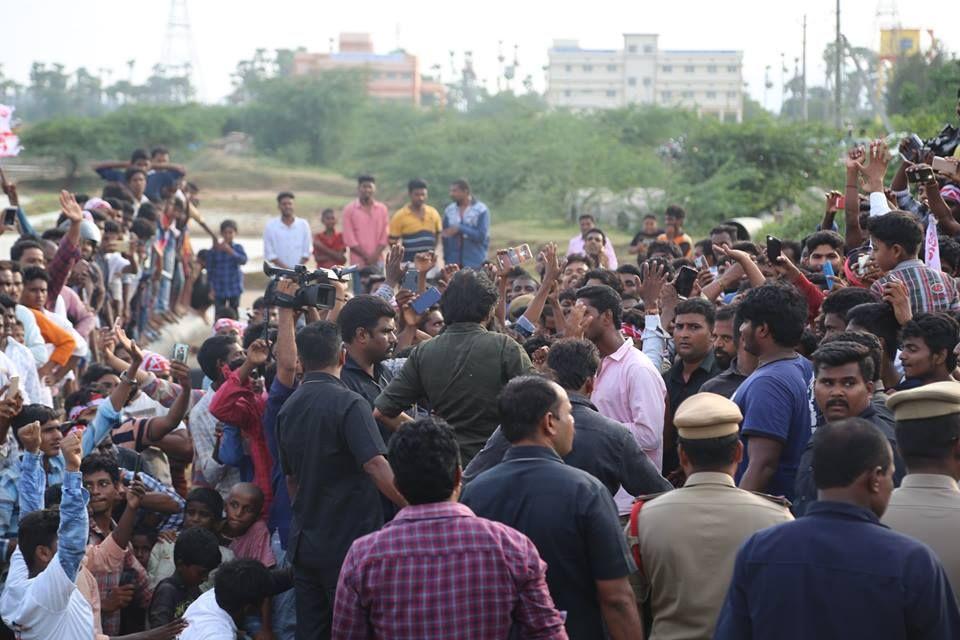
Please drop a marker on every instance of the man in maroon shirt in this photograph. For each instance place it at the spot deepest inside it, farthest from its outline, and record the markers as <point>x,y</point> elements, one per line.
<point>419,576</point>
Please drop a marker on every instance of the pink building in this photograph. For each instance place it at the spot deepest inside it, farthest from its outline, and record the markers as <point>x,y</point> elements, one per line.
<point>390,76</point>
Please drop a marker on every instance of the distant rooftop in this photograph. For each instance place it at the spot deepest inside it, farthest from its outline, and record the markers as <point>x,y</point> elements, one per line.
<point>368,57</point>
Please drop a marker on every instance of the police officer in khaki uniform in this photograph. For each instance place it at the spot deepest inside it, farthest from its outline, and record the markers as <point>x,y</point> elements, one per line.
<point>927,504</point>
<point>685,541</point>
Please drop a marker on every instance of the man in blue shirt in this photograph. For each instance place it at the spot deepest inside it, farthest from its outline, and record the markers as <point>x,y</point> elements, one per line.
<point>837,572</point>
<point>466,228</point>
<point>224,263</point>
<point>775,400</point>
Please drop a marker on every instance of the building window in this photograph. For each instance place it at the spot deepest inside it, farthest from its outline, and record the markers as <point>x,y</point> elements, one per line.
<point>406,75</point>
<point>376,75</point>
<point>632,82</point>
<point>569,67</point>
<point>732,68</point>
<point>391,75</point>
<point>632,48</point>
<point>647,82</point>
<point>666,95</point>
<point>611,67</point>
<point>611,93</point>
<point>588,67</point>
<point>666,68</point>
<point>567,93</point>
<point>648,48</point>
<point>688,94</point>
<point>711,95</point>
<point>731,94</point>
<point>711,68</point>
<point>688,68</point>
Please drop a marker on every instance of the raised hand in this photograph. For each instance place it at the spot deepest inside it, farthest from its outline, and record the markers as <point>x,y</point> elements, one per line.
<point>169,631</point>
<point>180,374</point>
<point>258,353</point>
<point>71,450</point>
<point>29,436</point>
<point>874,172</point>
<point>551,261</point>
<point>895,292</point>
<point>393,266</point>
<point>135,493</point>
<point>425,260</point>
<point>652,278</point>
<point>576,322</point>
<point>69,206</point>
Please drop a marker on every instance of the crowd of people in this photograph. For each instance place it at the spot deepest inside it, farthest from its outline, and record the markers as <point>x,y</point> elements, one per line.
<point>425,439</point>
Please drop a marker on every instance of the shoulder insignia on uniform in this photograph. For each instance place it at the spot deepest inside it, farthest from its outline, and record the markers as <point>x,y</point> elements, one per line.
<point>651,496</point>
<point>780,500</point>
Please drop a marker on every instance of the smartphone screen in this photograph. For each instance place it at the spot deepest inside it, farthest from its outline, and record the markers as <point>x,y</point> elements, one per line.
<point>685,280</point>
<point>10,216</point>
<point>426,300</point>
<point>774,247</point>
<point>410,280</point>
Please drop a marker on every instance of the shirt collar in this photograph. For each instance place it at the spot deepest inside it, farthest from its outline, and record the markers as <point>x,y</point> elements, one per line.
<point>707,365</point>
<point>622,352</point>
<point>830,509</point>
<point>576,398</point>
<point>709,477</point>
<point>350,363</point>
<point>532,451</point>
<point>434,511</point>
<point>320,376</point>
<point>464,327</point>
<point>908,264</point>
<point>929,481</point>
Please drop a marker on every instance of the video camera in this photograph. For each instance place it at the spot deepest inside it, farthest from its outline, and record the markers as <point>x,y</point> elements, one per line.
<point>315,288</point>
<point>943,144</point>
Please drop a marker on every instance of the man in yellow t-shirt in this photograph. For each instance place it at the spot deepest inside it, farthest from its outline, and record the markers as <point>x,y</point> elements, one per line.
<point>674,222</point>
<point>416,225</point>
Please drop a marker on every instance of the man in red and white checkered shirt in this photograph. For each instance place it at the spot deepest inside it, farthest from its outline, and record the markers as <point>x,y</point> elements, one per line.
<point>437,570</point>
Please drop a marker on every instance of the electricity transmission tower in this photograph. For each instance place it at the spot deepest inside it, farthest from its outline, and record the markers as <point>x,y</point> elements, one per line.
<point>179,57</point>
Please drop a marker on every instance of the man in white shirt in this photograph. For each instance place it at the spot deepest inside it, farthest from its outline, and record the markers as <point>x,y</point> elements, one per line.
<point>286,240</point>
<point>239,590</point>
<point>40,599</point>
<point>588,222</point>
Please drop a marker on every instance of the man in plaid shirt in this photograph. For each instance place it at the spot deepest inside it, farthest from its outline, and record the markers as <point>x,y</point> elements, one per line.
<point>897,238</point>
<point>437,569</point>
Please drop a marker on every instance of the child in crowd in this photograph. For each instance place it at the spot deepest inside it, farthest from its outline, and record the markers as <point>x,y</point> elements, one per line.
<point>224,262</point>
<point>248,534</point>
<point>195,554</point>
<point>329,249</point>
<point>204,510</point>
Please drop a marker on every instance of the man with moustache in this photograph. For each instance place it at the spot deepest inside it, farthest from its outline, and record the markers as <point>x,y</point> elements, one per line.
<point>843,388</point>
<point>727,346</point>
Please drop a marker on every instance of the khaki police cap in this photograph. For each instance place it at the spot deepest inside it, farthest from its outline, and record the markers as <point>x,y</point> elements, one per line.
<point>928,401</point>
<point>707,415</point>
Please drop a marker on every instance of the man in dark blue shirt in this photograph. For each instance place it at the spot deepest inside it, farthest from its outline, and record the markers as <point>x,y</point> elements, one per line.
<point>838,572</point>
<point>568,513</point>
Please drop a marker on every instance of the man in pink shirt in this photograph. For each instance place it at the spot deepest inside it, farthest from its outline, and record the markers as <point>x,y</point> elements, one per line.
<point>588,222</point>
<point>628,388</point>
<point>365,222</point>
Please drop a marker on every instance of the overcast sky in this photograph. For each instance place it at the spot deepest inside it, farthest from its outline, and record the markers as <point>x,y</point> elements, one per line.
<point>101,34</point>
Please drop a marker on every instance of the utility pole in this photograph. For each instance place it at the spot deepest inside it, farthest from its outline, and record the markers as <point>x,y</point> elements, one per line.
<point>803,88</point>
<point>838,116</point>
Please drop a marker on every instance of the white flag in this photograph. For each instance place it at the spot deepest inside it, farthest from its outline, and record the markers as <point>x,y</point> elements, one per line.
<point>9,141</point>
<point>931,246</point>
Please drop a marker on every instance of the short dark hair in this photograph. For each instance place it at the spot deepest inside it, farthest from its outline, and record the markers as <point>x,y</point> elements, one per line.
<point>35,273</point>
<point>603,298</point>
<point>366,177</point>
<point>845,449</point>
<point>132,171</point>
<point>362,312</point>
<point>927,439</point>
<point>840,301</point>
<point>573,362</point>
<point>597,230</point>
<point>415,184</point>
<point>630,269</point>
<point>214,349</point>
<point>226,311</point>
<point>462,184</point>
<point>197,546</point>
<point>144,229</point>
<point>37,528</point>
<point>650,216</point>
<point>285,194</point>
<point>21,245</point>
<point>780,307</point>
<point>109,226</point>
<point>676,211</point>
<point>710,453</point>
<point>662,246</point>
<point>938,330</point>
<point>228,224</point>
<point>864,339</point>
<point>579,257</point>
<point>699,306</point>
<point>96,462</point>
<point>724,228</point>
<point>607,277</point>
<point>208,497</point>
<point>319,345</point>
<point>839,353</point>
<point>586,216</point>
<point>828,237</point>
<point>425,458</point>
<point>469,297</point>
<point>158,150</point>
<point>877,318</point>
<point>949,252</point>
<point>30,412</point>
<point>897,227</point>
<point>138,154</point>
<point>522,404</point>
<point>241,584</point>
<point>726,312</point>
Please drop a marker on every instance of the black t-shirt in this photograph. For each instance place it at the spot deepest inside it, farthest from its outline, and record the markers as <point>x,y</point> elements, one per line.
<point>646,238</point>
<point>171,597</point>
<point>325,434</point>
<point>572,519</point>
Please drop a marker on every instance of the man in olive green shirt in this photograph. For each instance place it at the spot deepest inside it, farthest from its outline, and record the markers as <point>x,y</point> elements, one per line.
<point>461,371</point>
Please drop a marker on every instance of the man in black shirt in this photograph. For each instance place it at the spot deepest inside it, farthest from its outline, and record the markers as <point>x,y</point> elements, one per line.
<point>568,513</point>
<point>604,448</point>
<point>333,457</point>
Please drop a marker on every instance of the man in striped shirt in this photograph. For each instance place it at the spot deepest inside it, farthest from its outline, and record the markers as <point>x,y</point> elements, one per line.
<point>417,225</point>
<point>897,238</point>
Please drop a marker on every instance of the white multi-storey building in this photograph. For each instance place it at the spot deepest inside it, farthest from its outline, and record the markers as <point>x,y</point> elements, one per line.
<point>710,82</point>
